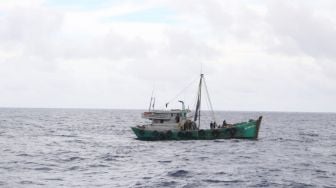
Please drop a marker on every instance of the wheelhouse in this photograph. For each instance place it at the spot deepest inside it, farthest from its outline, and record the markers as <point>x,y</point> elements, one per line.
<point>166,116</point>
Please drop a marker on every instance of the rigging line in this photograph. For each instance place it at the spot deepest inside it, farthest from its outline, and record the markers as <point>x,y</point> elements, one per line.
<point>208,112</point>
<point>182,91</point>
<point>208,105</point>
<point>200,101</point>
<point>208,97</point>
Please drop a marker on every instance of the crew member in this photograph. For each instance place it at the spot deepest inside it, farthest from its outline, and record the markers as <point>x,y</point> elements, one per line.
<point>224,123</point>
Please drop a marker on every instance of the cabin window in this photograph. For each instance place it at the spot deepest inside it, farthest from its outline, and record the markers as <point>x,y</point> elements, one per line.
<point>171,115</point>
<point>161,121</point>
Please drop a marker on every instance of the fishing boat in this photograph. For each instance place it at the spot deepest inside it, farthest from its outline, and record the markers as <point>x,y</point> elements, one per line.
<point>183,124</point>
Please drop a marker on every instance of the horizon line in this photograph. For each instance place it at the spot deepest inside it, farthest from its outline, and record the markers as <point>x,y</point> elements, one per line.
<point>110,108</point>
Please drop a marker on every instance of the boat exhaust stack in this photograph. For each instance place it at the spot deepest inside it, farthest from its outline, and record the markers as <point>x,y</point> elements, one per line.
<point>183,109</point>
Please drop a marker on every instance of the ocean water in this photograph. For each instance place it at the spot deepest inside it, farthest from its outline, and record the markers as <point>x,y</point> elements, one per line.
<point>96,148</point>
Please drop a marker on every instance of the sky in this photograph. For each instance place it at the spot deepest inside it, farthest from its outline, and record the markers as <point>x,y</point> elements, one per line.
<point>256,55</point>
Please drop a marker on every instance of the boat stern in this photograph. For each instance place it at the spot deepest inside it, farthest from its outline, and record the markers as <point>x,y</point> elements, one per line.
<point>258,123</point>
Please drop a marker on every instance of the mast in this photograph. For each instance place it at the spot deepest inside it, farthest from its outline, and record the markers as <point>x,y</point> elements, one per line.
<point>151,100</point>
<point>198,104</point>
<point>153,103</point>
<point>150,104</point>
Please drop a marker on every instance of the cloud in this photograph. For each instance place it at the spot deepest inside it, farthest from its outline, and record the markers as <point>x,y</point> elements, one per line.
<point>257,55</point>
<point>298,25</point>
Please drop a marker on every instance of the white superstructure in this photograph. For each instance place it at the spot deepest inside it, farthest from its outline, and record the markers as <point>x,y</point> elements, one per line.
<point>167,119</point>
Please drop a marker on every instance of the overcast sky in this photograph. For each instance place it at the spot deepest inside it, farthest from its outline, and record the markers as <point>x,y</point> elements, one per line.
<point>256,55</point>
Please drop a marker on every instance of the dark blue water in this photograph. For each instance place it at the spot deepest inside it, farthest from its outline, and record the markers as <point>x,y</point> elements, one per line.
<point>96,148</point>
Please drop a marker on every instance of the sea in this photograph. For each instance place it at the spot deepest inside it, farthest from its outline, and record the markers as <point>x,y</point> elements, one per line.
<point>96,148</point>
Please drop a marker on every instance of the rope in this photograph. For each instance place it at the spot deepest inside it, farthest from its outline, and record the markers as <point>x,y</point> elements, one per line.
<point>174,98</point>
<point>208,97</point>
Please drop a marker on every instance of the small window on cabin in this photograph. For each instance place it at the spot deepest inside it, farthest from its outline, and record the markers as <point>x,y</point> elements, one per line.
<point>171,115</point>
<point>161,121</point>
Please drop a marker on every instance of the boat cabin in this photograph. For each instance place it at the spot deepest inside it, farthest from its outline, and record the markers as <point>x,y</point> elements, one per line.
<point>167,119</point>
<point>167,116</point>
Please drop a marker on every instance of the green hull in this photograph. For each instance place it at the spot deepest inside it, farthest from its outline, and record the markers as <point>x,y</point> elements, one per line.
<point>245,130</point>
